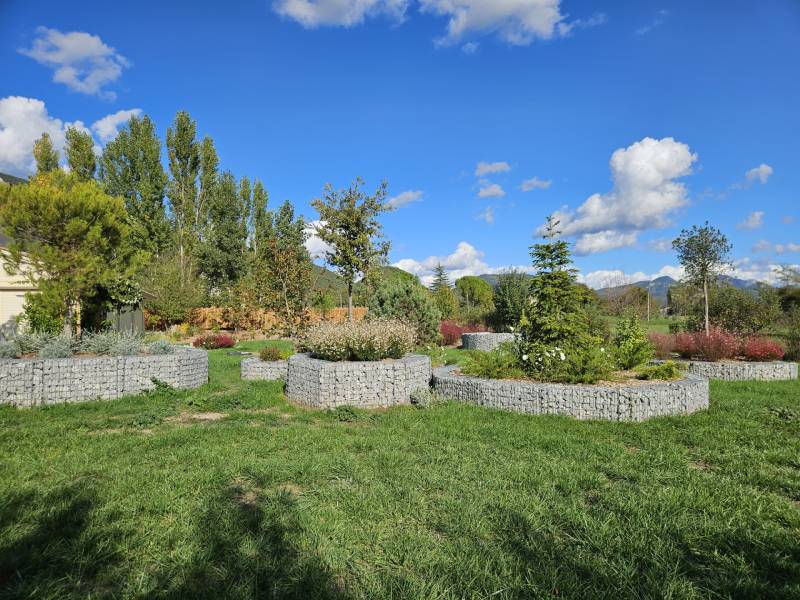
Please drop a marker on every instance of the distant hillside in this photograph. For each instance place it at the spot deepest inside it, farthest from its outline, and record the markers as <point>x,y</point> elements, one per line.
<point>491,278</point>
<point>11,178</point>
<point>327,280</point>
<point>660,285</point>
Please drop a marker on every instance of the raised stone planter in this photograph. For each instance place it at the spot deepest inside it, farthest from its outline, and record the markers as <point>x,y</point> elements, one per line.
<point>744,371</point>
<point>327,384</point>
<point>634,402</point>
<point>35,382</point>
<point>255,369</point>
<point>485,341</point>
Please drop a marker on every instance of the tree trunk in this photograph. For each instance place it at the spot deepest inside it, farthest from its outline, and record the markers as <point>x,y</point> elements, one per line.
<point>69,318</point>
<point>350,301</point>
<point>705,303</point>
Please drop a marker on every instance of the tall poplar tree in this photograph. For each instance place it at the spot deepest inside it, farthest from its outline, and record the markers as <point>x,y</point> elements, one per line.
<point>260,200</point>
<point>131,167</point>
<point>209,178</point>
<point>46,156</point>
<point>80,153</point>
<point>183,153</point>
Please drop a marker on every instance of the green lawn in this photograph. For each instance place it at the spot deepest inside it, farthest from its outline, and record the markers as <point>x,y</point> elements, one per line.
<point>659,324</point>
<point>231,492</point>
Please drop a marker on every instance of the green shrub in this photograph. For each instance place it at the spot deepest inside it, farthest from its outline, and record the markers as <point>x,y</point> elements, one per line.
<point>40,316</point>
<point>272,353</point>
<point>500,363</point>
<point>110,343</point>
<point>631,346</point>
<point>510,295</point>
<point>31,343</point>
<point>426,397</point>
<point>583,361</point>
<point>793,335</point>
<point>9,349</point>
<point>160,347</point>
<point>665,371</point>
<point>406,300</point>
<point>346,414</point>
<point>361,340</point>
<point>61,346</point>
<point>437,354</point>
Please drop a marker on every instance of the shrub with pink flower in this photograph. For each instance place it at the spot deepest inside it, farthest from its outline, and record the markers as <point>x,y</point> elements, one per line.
<point>762,349</point>
<point>717,345</point>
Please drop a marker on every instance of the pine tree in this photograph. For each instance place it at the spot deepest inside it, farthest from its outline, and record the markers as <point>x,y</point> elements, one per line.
<point>440,278</point>
<point>184,165</point>
<point>131,167</point>
<point>349,224</point>
<point>46,156</point>
<point>80,153</point>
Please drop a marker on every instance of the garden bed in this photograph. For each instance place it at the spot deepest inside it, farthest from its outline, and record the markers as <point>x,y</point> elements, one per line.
<point>255,369</point>
<point>42,381</point>
<point>618,402</point>
<point>484,341</point>
<point>739,370</point>
<point>365,384</point>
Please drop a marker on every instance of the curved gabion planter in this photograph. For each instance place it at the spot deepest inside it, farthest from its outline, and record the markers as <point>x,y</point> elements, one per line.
<point>635,402</point>
<point>744,371</point>
<point>35,382</point>
<point>327,384</point>
<point>484,341</point>
<point>255,369</point>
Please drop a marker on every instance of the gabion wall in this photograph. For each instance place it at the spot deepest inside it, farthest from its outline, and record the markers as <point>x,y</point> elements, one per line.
<point>614,403</point>
<point>326,384</point>
<point>744,371</point>
<point>35,382</point>
<point>485,342</point>
<point>255,369</point>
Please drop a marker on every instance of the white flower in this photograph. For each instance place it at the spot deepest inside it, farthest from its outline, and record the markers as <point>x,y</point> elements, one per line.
<point>524,357</point>
<point>562,356</point>
<point>602,349</point>
<point>510,328</point>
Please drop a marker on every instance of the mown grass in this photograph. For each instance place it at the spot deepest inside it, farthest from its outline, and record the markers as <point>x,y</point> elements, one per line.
<point>656,323</point>
<point>140,498</point>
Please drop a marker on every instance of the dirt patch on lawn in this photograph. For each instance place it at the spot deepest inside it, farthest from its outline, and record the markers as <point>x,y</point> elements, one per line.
<point>187,418</point>
<point>700,465</point>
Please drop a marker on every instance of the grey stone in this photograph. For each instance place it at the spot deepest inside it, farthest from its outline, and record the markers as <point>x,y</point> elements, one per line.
<point>374,384</point>
<point>485,341</point>
<point>35,382</point>
<point>255,369</point>
<point>744,371</point>
<point>615,403</point>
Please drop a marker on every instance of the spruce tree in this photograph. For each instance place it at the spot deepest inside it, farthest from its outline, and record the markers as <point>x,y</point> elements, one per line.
<point>80,153</point>
<point>440,278</point>
<point>131,167</point>
<point>46,156</point>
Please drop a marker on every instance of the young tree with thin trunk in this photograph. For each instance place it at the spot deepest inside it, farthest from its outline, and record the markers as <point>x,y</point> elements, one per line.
<point>45,155</point>
<point>704,252</point>
<point>131,167</point>
<point>348,224</point>
<point>80,153</point>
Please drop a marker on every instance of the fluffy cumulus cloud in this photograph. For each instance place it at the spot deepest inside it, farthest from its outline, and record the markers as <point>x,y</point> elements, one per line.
<point>767,246</point>
<point>757,270</point>
<point>344,13</point>
<point>753,221</point>
<point>611,278</point>
<point>107,127</point>
<point>602,241</point>
<point>761,173</point>
<point>315,246</point>
<point>487,168</point>
<point>404,198</point>
<point>81,61</point>
<point>645,192</point>
<point>24,120</point>
<point>490,190</point>
<point>534,183</point>
<point>465,260</point>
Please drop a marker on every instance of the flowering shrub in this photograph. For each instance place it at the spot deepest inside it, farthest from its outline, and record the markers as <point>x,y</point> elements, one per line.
<point>214,341</point>
<point>451,331</point>
<point>717,345</point>
<point>684,345</point>
<point>375,339</point>
<point>663,343</point>
<point>761,349</point>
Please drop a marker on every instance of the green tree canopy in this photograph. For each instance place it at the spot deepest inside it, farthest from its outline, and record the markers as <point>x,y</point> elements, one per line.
<point>45,155</point>
<point>183,153</point>
<point>80,153</point>
<point>406,300</point>
<point>510,295</point>
<point>474,292</point>
<point>348,223</point>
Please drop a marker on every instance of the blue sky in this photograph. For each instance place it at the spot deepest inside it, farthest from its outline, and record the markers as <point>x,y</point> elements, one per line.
<point>630,119</point>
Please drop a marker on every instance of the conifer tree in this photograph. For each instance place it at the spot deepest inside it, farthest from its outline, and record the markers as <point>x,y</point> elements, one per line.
<point>46,156</point>
<point>440,278</point>
<point>80,153</point>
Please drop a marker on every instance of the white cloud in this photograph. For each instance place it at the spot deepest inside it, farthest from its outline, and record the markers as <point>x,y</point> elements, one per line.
<point>791,247</point>
<point>518,22</point>
<point>485,168</point>
<point>753,221</point>
<point>658,21</point>
<point>645,192</point>
<point>465,260</point>
<point>491,190</point>
<point>487,215</point>
<point>22,122</point>
<point>660,245</point>
<point>757,270</point>
<point>344,13</point>
<point>404,198</point>
<point>762,246</point>
<point>107,127</point>
<point>534,183</point>
<point>470,48</point>
<point>762,173</point>
<point>615,277</point>
<point>79,60</point>
<point>315,246</point>
<point>602,241</point>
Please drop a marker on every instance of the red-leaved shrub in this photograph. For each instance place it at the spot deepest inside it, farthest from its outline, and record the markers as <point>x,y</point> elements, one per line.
<point>761,349</point>
<point>717,345</point>
<point>214,341</point>
<point>663,343</point>
<point>684,345</point>
<point>451,331</point>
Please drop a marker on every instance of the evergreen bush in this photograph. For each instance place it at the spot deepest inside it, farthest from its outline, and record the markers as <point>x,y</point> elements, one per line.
<point>631,346</point>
